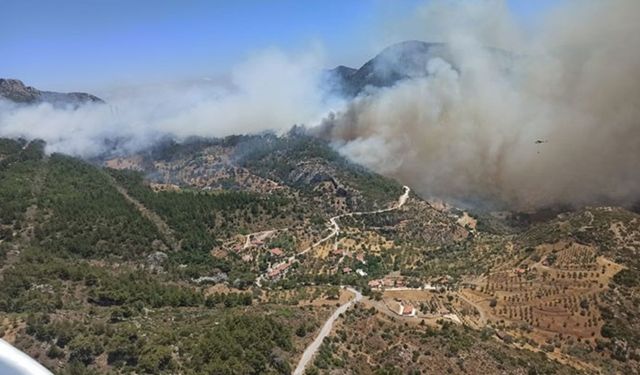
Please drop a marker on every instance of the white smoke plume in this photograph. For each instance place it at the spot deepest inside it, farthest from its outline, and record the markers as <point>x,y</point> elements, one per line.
<point>269,91</point>
<point>469,133</point>
<point>466,132</point>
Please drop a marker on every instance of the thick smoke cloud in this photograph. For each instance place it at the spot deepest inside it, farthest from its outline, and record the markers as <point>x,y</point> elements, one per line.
<point>269,91</point>
<point>466,132</point>
<point>469,133</point>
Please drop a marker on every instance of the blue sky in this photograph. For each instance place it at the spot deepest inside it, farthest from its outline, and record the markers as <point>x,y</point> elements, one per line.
<point>88,44</point>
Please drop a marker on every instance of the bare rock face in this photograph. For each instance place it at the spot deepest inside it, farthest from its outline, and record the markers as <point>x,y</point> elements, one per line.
<point>16,91</point>
<point>217,278</point>
<point>156,260</point>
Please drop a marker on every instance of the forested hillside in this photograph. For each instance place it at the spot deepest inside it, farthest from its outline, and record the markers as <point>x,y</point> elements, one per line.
<point>80,292</point>
<point>227,255</point>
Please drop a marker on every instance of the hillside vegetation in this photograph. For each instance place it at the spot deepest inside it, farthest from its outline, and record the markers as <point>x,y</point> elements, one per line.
<point>186,258</point>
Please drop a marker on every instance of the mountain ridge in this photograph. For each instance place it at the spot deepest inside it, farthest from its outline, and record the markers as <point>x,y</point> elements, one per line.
<point>16,91</point>
<point>400,61</point>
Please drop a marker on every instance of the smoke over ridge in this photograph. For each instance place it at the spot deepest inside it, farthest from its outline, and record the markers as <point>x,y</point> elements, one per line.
<point>561,125</point>
<point>269,91</point>
<point>467,131</point>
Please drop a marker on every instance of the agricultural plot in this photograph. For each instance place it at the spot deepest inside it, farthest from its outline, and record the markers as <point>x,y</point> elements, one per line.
<point>548,299</point>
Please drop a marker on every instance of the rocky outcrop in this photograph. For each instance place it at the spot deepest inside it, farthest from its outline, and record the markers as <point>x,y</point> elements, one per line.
<point>16,91</point>
<point>156,260</point>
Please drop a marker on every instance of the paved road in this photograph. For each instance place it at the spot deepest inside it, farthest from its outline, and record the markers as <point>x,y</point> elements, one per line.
<point>311,350</point>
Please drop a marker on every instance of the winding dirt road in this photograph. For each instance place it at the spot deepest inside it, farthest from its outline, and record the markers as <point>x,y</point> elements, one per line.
<point>336,229</point>
<point>311,350</point>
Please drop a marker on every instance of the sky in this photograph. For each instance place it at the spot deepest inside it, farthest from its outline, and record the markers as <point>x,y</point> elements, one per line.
<point>89,45</point>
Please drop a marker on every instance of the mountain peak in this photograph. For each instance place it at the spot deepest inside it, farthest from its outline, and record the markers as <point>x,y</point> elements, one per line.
<point>397,62</point>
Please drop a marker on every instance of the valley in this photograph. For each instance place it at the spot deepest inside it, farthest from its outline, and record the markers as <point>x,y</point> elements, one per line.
<point>201,256</point>
<point>407,187</point>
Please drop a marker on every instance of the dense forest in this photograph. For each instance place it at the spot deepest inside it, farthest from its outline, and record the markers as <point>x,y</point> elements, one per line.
<point>75,278</point>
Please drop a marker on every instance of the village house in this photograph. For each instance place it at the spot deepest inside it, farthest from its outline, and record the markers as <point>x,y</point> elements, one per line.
<point>279,270</point>
<point>379,283</point>
<point>276,251</point>
<point>407,310</point>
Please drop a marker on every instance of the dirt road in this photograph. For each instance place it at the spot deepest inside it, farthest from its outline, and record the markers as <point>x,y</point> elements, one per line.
<point>481,312</point>
<point>163,227</point>
<point>259,236</point>
<point>335,229</point>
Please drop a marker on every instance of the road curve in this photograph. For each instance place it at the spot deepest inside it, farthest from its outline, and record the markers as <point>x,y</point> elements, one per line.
<point>311,350</point>
<point>483,317</point>
<point>336,229</point>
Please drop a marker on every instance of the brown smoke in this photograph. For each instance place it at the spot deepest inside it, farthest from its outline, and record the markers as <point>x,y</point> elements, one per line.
<point>470,133</point>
